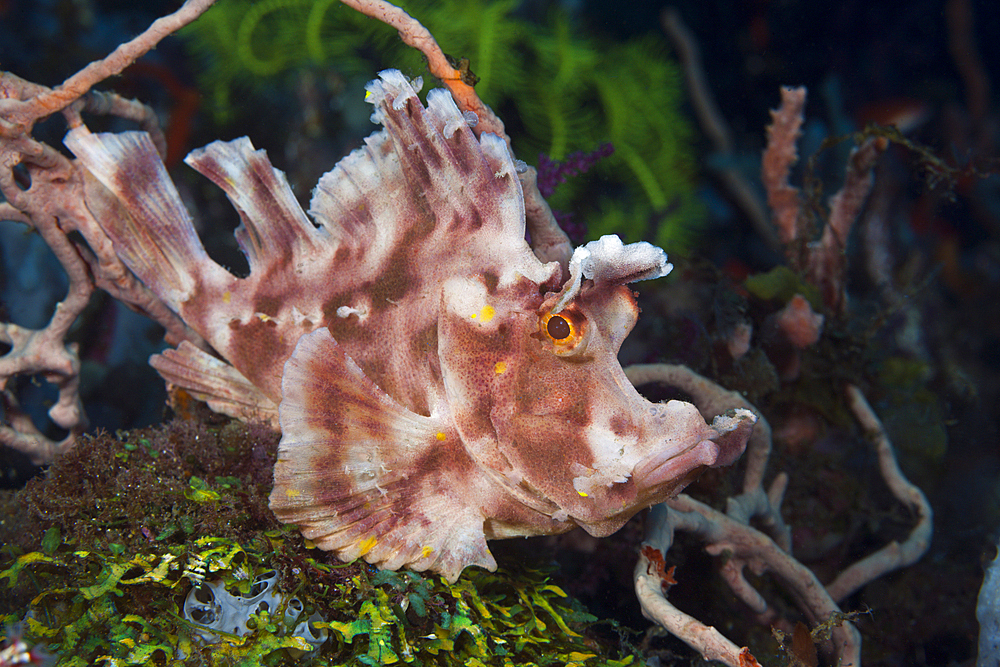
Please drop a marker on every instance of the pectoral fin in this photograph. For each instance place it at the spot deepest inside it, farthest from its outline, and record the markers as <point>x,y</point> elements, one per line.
<point>364,477</point>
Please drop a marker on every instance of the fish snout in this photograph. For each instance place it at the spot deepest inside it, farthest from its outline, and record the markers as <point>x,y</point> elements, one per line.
<point>717,445</point>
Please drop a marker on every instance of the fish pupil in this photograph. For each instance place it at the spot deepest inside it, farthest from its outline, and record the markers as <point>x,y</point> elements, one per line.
<point>558,327</point>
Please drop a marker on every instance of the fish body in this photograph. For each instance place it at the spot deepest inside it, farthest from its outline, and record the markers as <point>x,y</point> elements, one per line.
<point>436,385</point>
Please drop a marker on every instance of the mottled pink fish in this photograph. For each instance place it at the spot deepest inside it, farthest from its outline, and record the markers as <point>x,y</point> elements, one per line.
<point>436,385</point>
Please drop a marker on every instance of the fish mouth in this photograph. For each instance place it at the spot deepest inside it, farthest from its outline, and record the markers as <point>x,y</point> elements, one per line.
<point>726,441</point>
<point>670,466</point>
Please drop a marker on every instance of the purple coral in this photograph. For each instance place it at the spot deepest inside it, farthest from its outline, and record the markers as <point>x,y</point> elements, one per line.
<point>553,172</point>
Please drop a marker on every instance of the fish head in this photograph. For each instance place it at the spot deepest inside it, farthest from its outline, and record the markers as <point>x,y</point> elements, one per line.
<point>540,399</point>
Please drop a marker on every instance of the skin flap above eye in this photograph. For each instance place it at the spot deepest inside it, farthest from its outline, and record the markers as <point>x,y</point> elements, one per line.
<point>607,260</point>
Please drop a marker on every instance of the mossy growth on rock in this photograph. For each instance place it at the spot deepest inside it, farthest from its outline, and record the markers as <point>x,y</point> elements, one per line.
<point>100,554</point>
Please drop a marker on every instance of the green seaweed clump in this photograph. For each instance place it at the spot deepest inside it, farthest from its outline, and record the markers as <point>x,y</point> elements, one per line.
<point>558,90</point>
<point>99,576</point>
<point>781,284</point>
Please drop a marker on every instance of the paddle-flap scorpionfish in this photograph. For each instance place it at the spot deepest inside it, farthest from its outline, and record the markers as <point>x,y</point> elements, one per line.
<point>436,385</point>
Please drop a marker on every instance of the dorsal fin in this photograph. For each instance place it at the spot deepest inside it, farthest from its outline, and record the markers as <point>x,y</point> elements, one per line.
<point>275,230</point>
<point>425,163</point>
<point>423,200</point>
<point>146,220</point>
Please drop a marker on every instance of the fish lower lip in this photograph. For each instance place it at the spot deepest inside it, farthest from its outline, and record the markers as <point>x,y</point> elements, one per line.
<point>671,465</point>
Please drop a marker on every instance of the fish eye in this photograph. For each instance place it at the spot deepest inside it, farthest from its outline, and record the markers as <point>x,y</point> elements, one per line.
<point>558,327</point>
<point>565,331</point>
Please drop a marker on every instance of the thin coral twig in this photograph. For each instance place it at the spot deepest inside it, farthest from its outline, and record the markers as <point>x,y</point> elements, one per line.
<point>894,555</point>
<point>826,260</point>
<point>80,83</point>
<point>414,34</point>
<point>744,547</point>
<point>705,639</point>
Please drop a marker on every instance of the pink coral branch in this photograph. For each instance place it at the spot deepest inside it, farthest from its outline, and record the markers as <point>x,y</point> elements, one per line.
<point>52,203</point>
<point>414,34</point>
<point>823,262</point>
<point>76,86</point>
<point>779,157</point>
<point>43,352</point>
<point>826,260</point>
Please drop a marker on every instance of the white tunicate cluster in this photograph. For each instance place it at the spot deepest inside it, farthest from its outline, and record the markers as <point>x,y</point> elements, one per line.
<point>211,606</point>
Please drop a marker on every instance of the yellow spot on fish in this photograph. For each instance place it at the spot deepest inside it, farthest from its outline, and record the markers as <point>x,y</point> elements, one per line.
<point>367,545</point>
<point>441,436</point>
<point>582,494</point>
<point>486,313</point>
<point>227,296</point>
<point>263,317</point>
<point>368,95</point>
<point>500,367</point>
<point>293,493</point>
<point>426,552</point>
